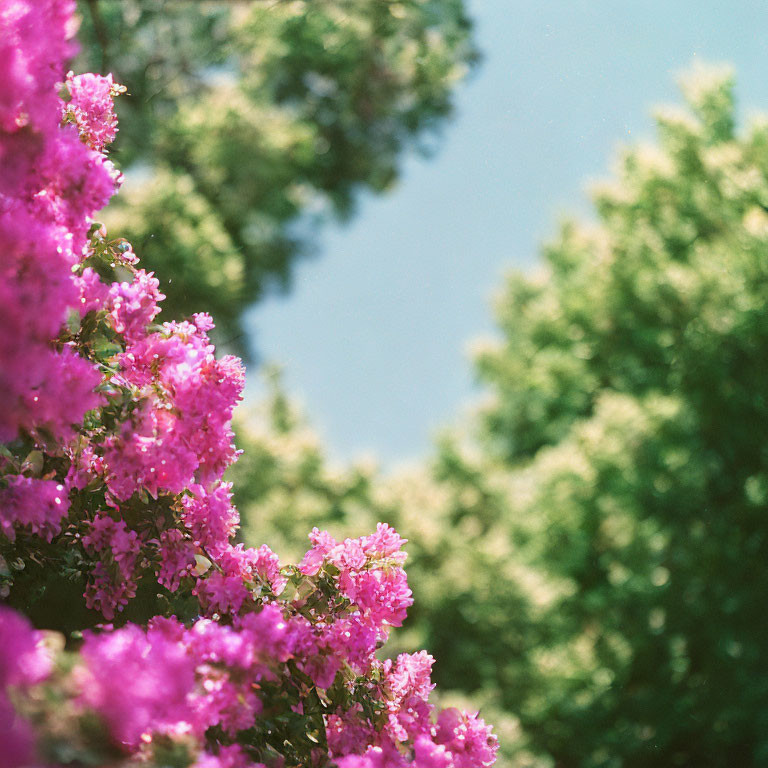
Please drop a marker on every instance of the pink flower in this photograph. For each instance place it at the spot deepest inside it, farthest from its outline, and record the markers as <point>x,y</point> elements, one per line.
<point>92,108</point>
<point>94,294</point>
<point>137,682</point>
<point>50,186</point>
<point>408,683</point>
<point>35,505</point>
<point>466,736</point>
<point>370,574</point>
<point>177,558</point>
<point>112,583</point>
<point>348,731</point>
<point>23,659</point>
<point>210,516</point>
<point>182,435</point>
<point>221,594</point>
<point>227,757</point>
<point>427,754</point>
<point>135,305</point>
<point>378,756</point>
<point>33,46</point>
<point>23,662</point>
<point>17,738</point>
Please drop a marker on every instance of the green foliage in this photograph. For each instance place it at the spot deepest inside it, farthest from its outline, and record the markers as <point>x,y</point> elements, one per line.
<point>589,556</point>
<point>248,124</point>
<point>630,392</point>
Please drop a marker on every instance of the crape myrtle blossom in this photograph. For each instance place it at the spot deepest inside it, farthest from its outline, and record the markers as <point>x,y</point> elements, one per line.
<point>24,662</point>
<point>91,107</point>
<point>115,432</point>
<point>111,543</point>
<point>37,506</point>
<point>51,184</point>
<point>180,433</point>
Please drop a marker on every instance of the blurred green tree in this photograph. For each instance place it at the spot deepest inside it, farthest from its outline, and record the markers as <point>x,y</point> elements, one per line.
<point>589,554</point>
<point>630,392</point>
<point>250,123</point>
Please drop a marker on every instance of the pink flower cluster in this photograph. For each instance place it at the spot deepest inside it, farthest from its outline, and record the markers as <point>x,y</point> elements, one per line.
<point>138,681</point>
<point>133,306</point>
<point>210,516</point>
<point>372,585</point>
<point>180,434</point>
<point>23,662</point>
<point>456,740</point>
<point>176,432</point>
<point>37,506</point>
<point>370,574</point>
<point>91,108</point>
<point>125,484</point>
<point>51,184</point>
<point>172,680</point>
<point>241,571</point>
<point>115,549</point>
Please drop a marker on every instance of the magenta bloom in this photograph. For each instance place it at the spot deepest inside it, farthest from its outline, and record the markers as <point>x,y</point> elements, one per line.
<point>23,662</point>
<point>92,108</point>
<point>37,506</point>
<point>139,682</point>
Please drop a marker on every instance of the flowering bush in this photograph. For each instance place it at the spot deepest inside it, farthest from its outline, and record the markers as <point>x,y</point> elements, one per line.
<point>116,434</point>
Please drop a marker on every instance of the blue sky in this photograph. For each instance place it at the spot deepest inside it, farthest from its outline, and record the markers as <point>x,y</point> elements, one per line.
<point>373,337</point>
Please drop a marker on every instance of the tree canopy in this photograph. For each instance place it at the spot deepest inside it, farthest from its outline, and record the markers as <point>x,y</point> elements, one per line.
<point>248,124</point>
<point>630,392</point>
